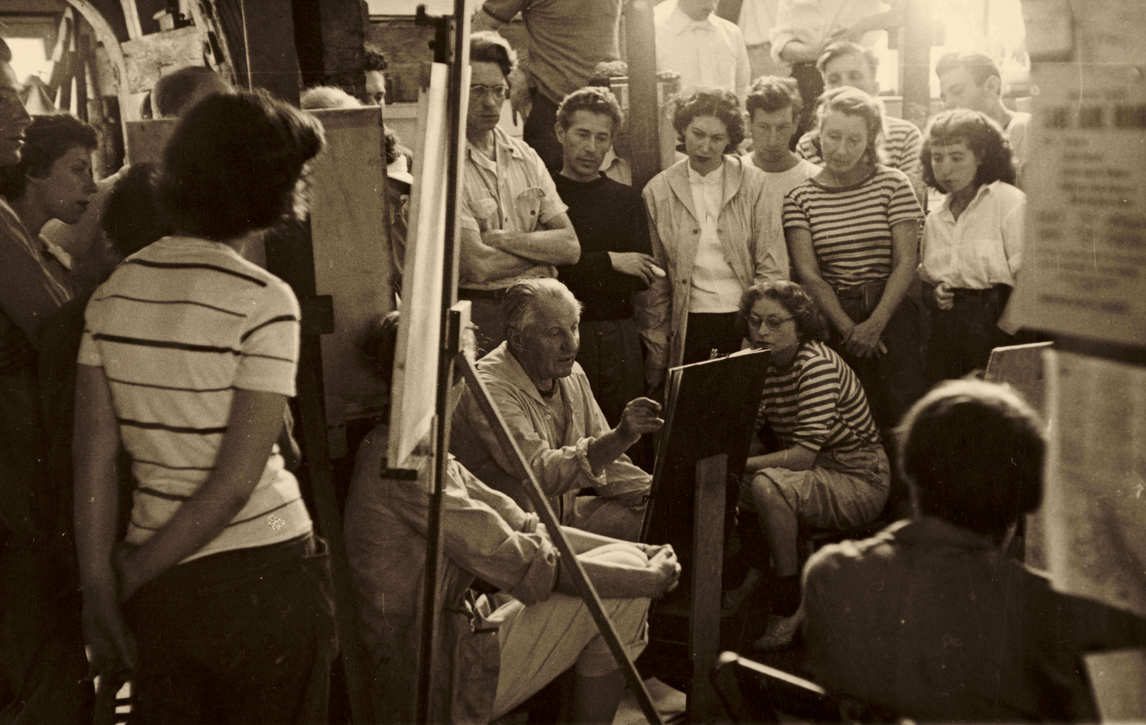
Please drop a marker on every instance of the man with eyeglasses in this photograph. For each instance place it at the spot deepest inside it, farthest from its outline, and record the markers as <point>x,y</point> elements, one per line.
<point>567,39</point>
<point>513,223</point>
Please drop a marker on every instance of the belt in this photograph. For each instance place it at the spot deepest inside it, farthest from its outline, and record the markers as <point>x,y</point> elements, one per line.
<point>992,292</point>
<point>495,295</point>
<point>857,291</point>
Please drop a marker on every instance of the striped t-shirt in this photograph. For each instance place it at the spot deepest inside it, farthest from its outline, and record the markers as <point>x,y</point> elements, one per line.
<point>177,328</point>
<point>817,402</point>
<point>851,225</point>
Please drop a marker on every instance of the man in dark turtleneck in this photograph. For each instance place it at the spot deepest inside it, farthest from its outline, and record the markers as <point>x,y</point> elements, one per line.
<point>615,264</point>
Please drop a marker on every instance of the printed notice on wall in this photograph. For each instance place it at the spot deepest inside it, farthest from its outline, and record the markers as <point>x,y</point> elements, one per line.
<point>1084,262</point>
<point>1095,506</point>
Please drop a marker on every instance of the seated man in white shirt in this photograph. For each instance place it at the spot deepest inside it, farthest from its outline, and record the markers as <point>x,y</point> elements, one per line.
<point>706,50</point>
<point>495,649</point>
<point>545,399</point>
<point>973,80</point>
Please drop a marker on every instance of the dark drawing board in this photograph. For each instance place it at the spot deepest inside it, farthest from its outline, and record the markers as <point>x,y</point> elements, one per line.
<point>710,408</point>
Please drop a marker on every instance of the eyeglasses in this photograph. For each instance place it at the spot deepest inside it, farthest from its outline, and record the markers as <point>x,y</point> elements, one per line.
<point>772,322</point>
<point>497,93</point>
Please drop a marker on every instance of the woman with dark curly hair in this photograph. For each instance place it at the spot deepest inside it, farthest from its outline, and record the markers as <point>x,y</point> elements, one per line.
<point>972,243</point>
<point>831,471</point>
<point>188,356</point>
<point>709,221</point>
<point>852,232</point>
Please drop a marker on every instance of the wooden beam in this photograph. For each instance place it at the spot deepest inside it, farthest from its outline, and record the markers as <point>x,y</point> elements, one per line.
<point>915,61</point>
<point>131,18</point>
<point>644,111</point>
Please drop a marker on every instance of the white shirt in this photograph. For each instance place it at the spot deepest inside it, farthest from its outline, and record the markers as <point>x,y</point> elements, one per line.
<point>812,22</point>
<point>709,52</point>
<point>983,247</point>
<point>757,18</point>
<point>714,284</point>
<point>777,184</point>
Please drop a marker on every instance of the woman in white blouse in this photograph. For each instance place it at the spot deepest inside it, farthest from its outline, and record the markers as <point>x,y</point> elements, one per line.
<point>972,243</point>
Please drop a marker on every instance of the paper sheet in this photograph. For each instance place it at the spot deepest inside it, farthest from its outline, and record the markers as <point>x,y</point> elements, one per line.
<point>1084,263</point>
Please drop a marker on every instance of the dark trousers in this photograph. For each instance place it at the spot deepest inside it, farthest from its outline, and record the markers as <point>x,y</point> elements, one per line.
<point>896,379</point>
<point>708,331</point>
<point>241,636</point>
<point>539,134</point>
<point>611,356</point>
<point>43,671</point>
<point>811,85</point>
<point>962,337</point>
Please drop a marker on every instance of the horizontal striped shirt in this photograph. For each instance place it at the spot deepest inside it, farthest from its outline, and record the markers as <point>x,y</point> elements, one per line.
<point>851,225</point>
<point>177,328</point>
<point>817,402</point>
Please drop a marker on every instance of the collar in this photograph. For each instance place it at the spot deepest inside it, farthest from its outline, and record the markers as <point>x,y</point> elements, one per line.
<point>945,209</point>
<point>502,144</point>
<point>501,363</point>
<point>676,176</point>
<point>712,178</point>
<point>932,531</point>
<point>610,157</point>
<point>679,23</point>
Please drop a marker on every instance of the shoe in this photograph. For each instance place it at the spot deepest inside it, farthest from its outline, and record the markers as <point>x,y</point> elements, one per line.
<point>779,632</point>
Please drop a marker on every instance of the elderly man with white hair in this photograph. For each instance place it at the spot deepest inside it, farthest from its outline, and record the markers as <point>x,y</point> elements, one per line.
<point>545,399</point>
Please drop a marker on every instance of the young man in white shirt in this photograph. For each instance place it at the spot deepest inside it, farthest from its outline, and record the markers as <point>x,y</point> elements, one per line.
<point>706,50</point>
<point>774,106</point>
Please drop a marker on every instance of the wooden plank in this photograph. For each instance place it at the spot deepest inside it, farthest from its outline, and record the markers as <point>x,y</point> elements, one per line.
<point>351,243</point>
<point>704,597</point>
<point>131,19</point>
<point>644,115</point>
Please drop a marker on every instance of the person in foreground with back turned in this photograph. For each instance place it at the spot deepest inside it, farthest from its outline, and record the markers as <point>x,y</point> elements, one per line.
<point>496,649</point>
<point>931,619</point>
<point>219,597</point>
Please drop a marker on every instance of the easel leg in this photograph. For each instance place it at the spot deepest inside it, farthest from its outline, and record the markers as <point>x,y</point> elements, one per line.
<point>704,598</point>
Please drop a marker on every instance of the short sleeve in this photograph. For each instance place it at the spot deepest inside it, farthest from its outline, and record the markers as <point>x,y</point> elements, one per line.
<point>89,351</point>
<point>268,346</point>
<point>795,216</point>
<point>817,392</point>
<point>903,206</point>
<point>503,10</point>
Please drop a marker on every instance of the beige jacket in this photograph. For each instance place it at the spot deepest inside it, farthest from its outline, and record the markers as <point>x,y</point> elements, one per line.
<point>755,253</point>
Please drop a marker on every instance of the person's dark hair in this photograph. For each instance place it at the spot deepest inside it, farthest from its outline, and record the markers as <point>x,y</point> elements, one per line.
<point>854,102</point>
<point>373,59</point>
<point>234,164</point>
<point>520,300</point>
<point>5,52</point>
<point>175,92</point>
<point>131,217</point>
<point>847,47</point>
<point>773,93</point>
<point>980,66</point>
<point>45,141</point>
<point>487,46</point>
<point>379,344</point>
<point>593,99</point>
<point>711,102</point>
<point>973,454</point>
<point>981,134</point>
<point>809,323</point>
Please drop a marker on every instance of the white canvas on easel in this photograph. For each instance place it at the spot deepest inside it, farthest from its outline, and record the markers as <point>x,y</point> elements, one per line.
<point>419,334</point>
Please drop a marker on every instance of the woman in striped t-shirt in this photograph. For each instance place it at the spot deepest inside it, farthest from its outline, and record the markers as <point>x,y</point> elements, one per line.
<point>831,471</point>
<point>852,234</point>
<point>188,355</point>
